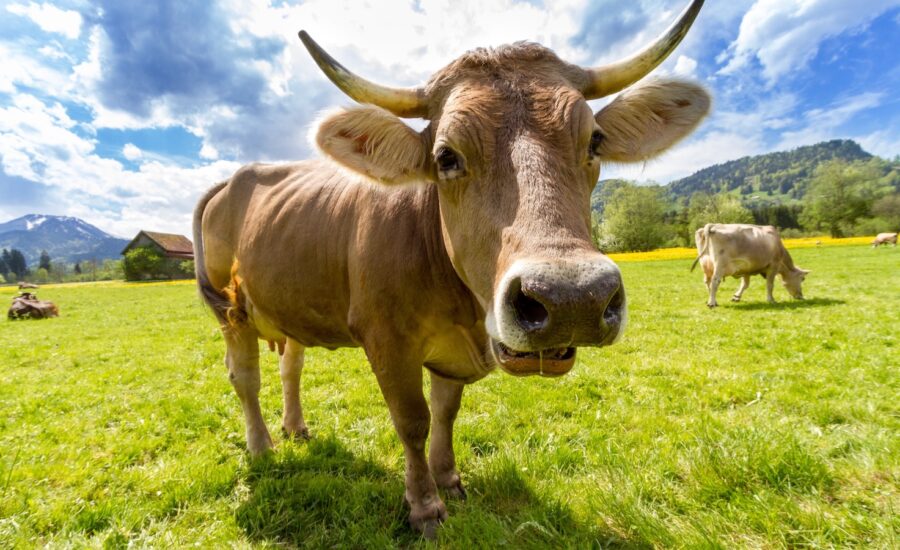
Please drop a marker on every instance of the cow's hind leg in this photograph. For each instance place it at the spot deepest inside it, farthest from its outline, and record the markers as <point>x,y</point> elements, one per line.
<point>745,282</point>
<point>242,360</point>
<point>400,379</point>
<point>714,283</point>
<point>291,364</point>
<point>445,398</point>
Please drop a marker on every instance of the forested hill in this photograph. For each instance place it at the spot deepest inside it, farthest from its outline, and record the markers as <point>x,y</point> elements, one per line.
<point>784,173</point>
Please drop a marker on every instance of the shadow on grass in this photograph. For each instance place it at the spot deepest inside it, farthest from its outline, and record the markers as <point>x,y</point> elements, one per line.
<point>322,495</point>
<point>792,304</point>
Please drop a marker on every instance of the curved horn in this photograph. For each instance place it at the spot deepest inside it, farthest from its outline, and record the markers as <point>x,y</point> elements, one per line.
<point>609,79</point>
<point>403,102</point>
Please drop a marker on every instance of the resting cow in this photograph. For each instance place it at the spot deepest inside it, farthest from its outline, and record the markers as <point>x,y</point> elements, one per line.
<point>884,238</point>
<point>461,247</point>
<point>742,250</point>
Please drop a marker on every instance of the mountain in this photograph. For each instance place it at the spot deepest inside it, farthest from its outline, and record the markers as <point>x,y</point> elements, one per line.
<point>782,175</point>
<point>63,237</point>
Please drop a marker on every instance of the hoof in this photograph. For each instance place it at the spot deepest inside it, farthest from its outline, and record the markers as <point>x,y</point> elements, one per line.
<point>710,306</point>
<point>428,519</point>
<point>735,299</point>
<point>259,446</point>
<point>456,491</point>
<point>296,434</point>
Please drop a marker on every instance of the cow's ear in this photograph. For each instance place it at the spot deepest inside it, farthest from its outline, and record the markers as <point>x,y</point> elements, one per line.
<point>648,119</point>
<point>374,143</point>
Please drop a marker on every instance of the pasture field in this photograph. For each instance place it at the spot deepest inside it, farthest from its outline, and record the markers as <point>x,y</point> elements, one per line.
<point>752,425</point>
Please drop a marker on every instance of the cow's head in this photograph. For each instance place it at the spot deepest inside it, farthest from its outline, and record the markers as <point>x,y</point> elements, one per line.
<point>793,279</point>
<point>515,150</point>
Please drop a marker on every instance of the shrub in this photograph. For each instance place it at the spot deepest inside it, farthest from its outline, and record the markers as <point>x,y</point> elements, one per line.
<point>143,262</point>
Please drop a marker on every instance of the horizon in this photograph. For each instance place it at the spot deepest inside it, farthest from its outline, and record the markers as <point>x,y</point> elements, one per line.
<point>122,116</point>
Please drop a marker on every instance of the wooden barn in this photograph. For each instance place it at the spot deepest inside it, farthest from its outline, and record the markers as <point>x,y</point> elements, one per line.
<point>174,250</point>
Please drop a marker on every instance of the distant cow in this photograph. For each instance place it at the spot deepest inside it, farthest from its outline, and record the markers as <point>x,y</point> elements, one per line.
<point>27,306</point>
<point>742,250</point>
<point>24,285</point>
<point>884,238</point>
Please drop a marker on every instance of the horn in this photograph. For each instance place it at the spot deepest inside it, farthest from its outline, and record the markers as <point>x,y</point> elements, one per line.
<point>403,102</point>
<point>609,79</point>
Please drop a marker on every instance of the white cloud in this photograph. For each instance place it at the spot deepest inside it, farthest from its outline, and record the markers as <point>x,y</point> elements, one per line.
<point>685,67</point>
<point>208,152</point>
<point>38,143</point>
<point>50,18</point>
<point>783,35</point>
<point>826,123</point>
<point>884,143</point>
<point>132,151</point>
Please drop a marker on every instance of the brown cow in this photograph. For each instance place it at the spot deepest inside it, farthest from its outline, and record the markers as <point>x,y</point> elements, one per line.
<point>742,250</point>
<point>461,247</point>
<point>884,238</point>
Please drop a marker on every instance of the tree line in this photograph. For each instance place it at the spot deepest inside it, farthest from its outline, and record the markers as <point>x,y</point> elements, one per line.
<point>14,268</point>
<point>840,198</point>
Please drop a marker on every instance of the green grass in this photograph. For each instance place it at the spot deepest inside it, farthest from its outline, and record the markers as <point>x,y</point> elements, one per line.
<point>752,425</point>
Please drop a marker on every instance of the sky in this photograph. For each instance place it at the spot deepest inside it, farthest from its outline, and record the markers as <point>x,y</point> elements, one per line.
<point>122,112</point>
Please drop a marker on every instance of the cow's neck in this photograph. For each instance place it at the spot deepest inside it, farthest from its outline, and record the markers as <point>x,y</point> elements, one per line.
<point>441,270</point>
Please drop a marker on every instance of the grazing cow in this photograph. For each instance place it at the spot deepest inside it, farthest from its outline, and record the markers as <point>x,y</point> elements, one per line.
<point>24,285</point>
<point>884,238</point>
<point>461,247</point>
<point>742,250</point>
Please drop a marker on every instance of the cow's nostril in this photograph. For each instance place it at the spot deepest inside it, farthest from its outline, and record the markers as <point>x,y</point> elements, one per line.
<point>612,316</point>
<point>530,314</point>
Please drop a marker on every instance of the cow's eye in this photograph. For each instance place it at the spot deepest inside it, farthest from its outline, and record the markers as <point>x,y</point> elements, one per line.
<point>596,140</point>
<point>448,163</point>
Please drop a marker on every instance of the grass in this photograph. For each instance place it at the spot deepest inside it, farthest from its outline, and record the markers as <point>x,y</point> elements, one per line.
<point>752,425</point>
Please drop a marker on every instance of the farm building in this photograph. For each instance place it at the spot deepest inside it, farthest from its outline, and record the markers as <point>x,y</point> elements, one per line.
<point>153,255</point>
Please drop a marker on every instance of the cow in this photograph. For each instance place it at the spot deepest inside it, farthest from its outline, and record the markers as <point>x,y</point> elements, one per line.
<point>25,285</point>
<point>459,248</point>
<point>884,238</point>
<point>742,250</point>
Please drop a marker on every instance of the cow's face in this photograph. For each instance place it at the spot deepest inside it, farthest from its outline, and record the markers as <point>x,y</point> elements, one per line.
<point>793,280</point>
<point>514,151</point>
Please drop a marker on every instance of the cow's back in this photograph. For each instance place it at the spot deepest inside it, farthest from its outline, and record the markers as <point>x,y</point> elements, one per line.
<point>744,249</point>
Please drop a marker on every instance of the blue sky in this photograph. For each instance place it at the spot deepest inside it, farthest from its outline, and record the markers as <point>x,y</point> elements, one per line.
<point>123,112</point>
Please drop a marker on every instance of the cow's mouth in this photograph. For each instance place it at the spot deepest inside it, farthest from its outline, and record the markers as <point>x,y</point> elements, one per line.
<point>548,362</point>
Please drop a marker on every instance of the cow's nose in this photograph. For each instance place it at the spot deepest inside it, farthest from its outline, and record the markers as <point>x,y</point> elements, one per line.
<point>570,304</point>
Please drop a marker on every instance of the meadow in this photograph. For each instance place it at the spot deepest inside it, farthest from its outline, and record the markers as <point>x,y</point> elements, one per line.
<point>752,425</point>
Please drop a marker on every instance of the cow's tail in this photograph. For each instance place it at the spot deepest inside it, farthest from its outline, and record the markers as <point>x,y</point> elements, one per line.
<point>705,247</point>
<point>217,301</point>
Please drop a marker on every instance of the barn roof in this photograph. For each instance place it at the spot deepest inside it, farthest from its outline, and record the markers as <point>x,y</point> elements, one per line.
<point>177,246</point>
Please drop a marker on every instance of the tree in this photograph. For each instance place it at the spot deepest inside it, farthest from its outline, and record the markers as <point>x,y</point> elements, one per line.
<point>16,263</point>
<point>45,261</point>
<point>187,267</point>
<point>888,209</point>
<point>42,275</point>
<point>77,268</point>
<point>633,219</point>
<point>837,196</point>
<point>705,208</point>
<point>142,263</point>
<point>4,269</point>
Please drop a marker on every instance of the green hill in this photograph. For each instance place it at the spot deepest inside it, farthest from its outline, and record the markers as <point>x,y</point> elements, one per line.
<point>782,175</point>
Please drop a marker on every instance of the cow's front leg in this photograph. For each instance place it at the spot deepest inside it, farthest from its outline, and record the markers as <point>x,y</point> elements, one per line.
<point>745,282</point>
<point>401,384</point>
<point>445,398</point>
<point>242,360</point>
<point>770,285</point>
<point>291,365</point>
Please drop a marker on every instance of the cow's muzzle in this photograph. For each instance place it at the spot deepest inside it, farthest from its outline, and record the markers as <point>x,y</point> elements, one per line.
<point>544,309</point>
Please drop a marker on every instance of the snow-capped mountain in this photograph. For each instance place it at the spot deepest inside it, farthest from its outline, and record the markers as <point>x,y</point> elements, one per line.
<point>63,237</point>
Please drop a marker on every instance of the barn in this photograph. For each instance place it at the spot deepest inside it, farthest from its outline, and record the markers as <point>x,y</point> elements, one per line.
<point>161,256</point>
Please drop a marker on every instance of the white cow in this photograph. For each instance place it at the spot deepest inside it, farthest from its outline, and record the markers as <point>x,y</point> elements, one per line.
<point>742,250</point>
<point>884,238</point>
